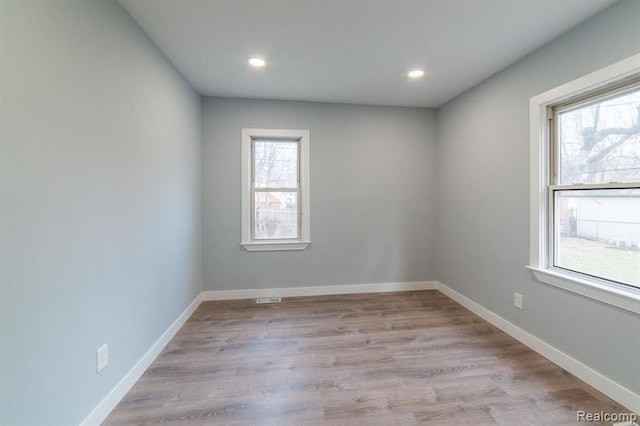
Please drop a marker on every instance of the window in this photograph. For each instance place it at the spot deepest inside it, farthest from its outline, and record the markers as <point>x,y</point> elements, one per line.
<point>275,189</point>
<point>585,185</point>
<point>595,187</point>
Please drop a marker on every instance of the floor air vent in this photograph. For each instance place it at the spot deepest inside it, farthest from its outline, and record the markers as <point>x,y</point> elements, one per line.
<point>269,300</point>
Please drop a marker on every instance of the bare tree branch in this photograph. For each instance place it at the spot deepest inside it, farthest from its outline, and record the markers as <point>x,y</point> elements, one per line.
<point>603,153</point>
<point>591,136</point>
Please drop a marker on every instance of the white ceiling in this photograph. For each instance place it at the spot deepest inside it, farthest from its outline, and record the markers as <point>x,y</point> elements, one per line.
<point>351,51</point>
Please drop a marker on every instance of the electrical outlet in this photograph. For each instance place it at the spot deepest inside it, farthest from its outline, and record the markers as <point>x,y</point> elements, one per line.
<point>517,300</point>
<point>102,357</point>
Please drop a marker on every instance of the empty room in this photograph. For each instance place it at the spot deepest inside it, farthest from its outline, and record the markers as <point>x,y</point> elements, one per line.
<point>319,212</point>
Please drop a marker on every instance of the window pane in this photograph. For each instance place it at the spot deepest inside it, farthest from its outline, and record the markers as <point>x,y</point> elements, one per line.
<point>276,215</point>
<point>600,141</point>
<point>275,164</point>
<point>598,233</point>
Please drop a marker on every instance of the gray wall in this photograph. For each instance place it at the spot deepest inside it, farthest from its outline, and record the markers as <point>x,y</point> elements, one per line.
<point>372,191</point>
<point>99,203</point>
<point>483,198</point>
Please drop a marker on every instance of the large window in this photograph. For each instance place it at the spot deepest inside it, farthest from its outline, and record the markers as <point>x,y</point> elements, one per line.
<point>275,189</point>
<point>585,185</point>
<point>595,186</point>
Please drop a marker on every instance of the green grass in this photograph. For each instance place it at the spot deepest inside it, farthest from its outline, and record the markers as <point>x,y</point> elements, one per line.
<point>599,259</point>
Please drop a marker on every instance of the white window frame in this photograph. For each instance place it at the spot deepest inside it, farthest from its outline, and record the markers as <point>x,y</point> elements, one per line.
<point>605,291</point>
<point>304,238</point>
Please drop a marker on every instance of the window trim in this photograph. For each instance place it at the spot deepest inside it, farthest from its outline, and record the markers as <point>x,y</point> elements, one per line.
<point>608,292</point>
<point>304,238</point>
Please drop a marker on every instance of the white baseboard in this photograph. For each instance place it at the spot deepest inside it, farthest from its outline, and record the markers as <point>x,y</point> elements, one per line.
<point>318,290</point>
<point>605,385</point>
<point>102,410</point>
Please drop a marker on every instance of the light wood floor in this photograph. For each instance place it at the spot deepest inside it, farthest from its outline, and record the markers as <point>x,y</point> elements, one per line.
<point>370,359</point>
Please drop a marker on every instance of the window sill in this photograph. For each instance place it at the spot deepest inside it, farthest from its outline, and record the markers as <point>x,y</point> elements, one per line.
<point>617,295</point>
<point>276,245</point>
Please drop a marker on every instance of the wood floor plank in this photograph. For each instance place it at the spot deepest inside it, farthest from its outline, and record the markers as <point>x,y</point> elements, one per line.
<point>366,359</point>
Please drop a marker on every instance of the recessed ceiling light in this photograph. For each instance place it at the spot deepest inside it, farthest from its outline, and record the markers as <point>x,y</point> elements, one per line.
<point>257,62</point>
<point>416,73</point>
